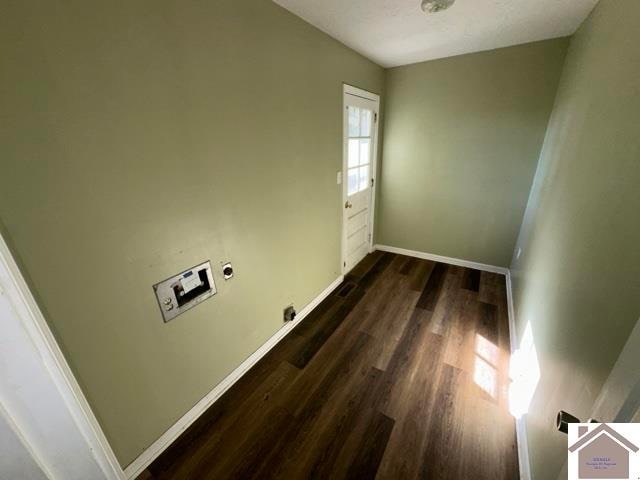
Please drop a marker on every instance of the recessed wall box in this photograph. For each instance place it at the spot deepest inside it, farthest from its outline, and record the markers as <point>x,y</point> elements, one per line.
<point>181,292</point>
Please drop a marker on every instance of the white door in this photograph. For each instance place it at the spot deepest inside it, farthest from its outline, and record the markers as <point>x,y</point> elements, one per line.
<point>358,171</point>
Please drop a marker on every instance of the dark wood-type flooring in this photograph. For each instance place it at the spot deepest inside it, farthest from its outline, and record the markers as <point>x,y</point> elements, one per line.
<point>400,373</point>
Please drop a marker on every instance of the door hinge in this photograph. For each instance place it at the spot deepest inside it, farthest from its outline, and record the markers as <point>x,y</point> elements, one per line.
<point>369,237</point>
<point>344,264</point>
<point>375,117</point>
<point>373,182</point>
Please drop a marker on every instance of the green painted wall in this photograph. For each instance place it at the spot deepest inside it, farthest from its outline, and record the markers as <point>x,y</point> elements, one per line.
<point>578,279</point>
<point>141,138</point>
<point>462,139</point>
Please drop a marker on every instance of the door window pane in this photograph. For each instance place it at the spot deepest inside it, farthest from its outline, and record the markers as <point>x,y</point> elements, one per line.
<point>354,122</point>
<point>354,152</point>
<point>365,123</point>
<point>353,181</point>
<point>360,120</point>
<point>364,178</point>
<point>359,149</point>
<point>364,151</point>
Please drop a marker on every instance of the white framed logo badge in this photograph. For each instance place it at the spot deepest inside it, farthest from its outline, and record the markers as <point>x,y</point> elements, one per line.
<point>604,451</point>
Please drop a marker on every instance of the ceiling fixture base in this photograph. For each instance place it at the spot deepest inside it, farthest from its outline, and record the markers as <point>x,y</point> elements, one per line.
<point>435,6</point>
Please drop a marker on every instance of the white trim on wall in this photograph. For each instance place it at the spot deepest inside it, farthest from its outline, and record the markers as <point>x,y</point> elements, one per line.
<point>512,316</point>
<point>521,423</point>
<point>150,454</point>
<point>358,92</point>
<point>523,449</point>
<point>20,452</point>
<point>439,258</point>
<point>64,434</point>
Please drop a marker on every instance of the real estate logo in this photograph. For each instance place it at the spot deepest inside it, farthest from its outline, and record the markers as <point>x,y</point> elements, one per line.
<point>605,451</point>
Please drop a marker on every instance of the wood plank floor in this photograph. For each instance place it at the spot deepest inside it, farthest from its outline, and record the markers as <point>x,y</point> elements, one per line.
<point>400,373</point>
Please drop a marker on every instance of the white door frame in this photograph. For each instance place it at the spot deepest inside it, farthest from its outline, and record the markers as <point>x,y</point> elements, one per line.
<point>39,393</point>
<point>358,92</point>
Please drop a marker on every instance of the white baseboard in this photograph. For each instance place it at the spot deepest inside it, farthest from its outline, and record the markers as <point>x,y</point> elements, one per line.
<point>439,258</point>
<point>521,423</point>
<point>523,449</point>
<point>150,454</point>
<point>513,340</point>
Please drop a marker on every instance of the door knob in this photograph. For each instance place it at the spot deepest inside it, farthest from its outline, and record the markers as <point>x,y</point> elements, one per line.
<point>348,204</point>
<point>563,419</point>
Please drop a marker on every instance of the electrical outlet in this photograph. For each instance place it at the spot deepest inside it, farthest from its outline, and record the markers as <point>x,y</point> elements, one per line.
<point>289,313</point>
<point>227,271</point>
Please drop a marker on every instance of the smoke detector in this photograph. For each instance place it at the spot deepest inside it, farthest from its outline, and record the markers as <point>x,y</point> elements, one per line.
<point>435,6</point>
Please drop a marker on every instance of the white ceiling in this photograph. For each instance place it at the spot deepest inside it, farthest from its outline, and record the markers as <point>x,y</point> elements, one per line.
<point>397,32</point>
